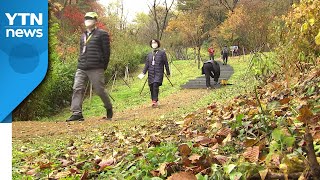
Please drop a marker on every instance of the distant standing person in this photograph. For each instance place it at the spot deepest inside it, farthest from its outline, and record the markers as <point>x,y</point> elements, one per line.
<point>236,50</point>
<point>225,54</point>
<point>93,61</point>
<point>211,52</point>
<point>211,69</point>
<point>156,61</point>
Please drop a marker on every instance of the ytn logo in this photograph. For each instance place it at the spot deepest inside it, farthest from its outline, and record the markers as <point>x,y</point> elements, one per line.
<point>24,25</point>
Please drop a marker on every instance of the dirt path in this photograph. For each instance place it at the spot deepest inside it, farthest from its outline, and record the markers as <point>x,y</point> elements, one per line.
<point>33,129</point>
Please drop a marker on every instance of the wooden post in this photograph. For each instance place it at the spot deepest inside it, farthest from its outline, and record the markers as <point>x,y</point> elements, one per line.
<point>90,96</point>
<point>244,53</point>
<point>126,74</point>
<point>114,80</point>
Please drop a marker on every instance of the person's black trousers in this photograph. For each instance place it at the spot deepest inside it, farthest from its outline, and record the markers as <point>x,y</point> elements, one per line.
<point>225,58</point>
<point>154,90</point>
<point>208,68</point>
<point>216,71</point>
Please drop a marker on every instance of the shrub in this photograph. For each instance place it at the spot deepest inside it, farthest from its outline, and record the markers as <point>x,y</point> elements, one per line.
<point>53,93</point>
<point>299,35</point>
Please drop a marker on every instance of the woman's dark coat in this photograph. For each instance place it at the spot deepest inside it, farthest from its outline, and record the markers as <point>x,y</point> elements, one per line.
<point>156,71</point>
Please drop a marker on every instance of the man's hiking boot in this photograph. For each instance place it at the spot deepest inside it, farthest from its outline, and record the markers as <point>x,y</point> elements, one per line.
<point>75,118</point>
<point>109,114</point>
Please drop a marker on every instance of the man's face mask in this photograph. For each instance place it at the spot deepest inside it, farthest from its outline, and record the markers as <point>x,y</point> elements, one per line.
<point>154,45</point>
<point>89,22</point>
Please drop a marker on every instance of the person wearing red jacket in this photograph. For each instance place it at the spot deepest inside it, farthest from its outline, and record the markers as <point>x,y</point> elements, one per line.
<point>211,52</point>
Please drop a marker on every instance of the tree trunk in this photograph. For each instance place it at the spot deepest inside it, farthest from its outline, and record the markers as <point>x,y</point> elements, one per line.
<point>166,17</point>
<point>187,57</point>
<point>195,54</point>
<point>199,56</point>
<point>155,17</point>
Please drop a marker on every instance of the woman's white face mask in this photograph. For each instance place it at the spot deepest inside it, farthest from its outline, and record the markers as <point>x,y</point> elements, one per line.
<point>154,45</point>
<point>89,22</point>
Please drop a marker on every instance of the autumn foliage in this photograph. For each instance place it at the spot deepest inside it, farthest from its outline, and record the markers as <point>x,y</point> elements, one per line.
<point>73,17</point>
<point>299,35</point>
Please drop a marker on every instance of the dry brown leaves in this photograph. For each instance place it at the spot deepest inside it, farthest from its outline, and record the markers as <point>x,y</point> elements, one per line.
<point>182,176</point>
<point>184,150</point>
<point>252,153</point>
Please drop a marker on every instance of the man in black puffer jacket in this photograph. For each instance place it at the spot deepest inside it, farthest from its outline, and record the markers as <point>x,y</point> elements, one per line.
<point>93,61</point>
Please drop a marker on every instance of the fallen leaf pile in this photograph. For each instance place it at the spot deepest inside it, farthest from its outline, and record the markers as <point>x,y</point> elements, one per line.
<point>250,136</point>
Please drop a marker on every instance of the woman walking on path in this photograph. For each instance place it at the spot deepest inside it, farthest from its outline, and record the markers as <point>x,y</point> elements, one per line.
<point>156,61</point>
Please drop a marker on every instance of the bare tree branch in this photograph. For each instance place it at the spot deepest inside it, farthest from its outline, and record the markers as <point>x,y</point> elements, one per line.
<point>153,10</point>
<point>166,16</point>
<point>228,6</point>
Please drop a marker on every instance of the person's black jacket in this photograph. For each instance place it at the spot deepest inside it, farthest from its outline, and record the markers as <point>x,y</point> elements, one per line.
<point>97,52</point>
<point>156,72</point>
<point>215,67</point>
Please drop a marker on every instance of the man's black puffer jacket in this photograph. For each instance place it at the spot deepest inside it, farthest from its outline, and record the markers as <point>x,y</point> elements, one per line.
<point>97,52</point>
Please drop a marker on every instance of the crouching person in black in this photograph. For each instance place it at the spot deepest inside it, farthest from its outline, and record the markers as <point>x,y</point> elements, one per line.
<point>211,69</point>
